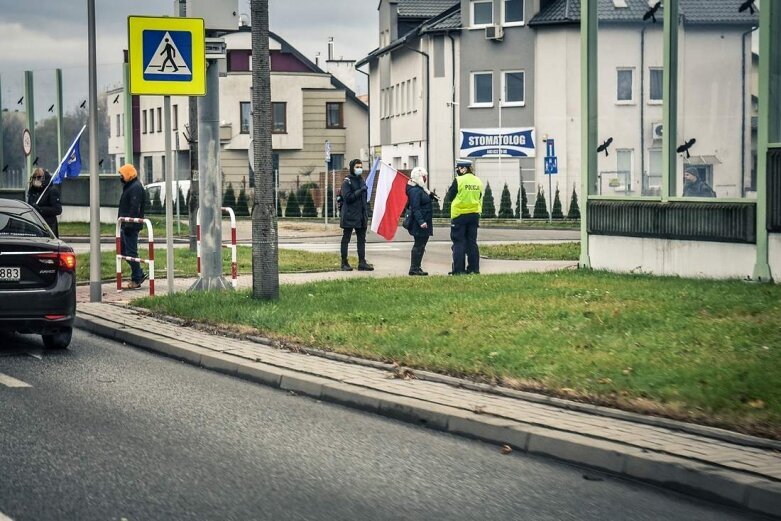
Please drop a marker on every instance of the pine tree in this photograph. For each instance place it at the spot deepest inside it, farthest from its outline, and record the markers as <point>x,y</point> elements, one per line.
<point>280,208</point>
<point>489,210</point>
<point>525,204</point>
<point>157,206</point>
<point>309,205</point>
<point>506,204</point>
<point>540,206</point>
<point>446,207</point>
<point>517,213</point>
<point>242,208</point>
<point>556,212</point>
<point>229,197</point>
<point>293,209</point>
<point>435,211</point>
<point>330,199</point>
<point>182,203</point>
<point>574,208</point>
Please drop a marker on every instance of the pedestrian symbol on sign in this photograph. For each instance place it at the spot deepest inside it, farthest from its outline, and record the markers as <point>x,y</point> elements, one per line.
<point>167,55</point>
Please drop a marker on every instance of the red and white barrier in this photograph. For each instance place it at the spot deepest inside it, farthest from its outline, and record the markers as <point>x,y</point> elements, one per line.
<point>232,245</point>
<point>150,261</point>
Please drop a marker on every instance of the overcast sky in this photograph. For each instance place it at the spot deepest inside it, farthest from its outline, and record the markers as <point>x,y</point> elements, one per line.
<point>42,35</point>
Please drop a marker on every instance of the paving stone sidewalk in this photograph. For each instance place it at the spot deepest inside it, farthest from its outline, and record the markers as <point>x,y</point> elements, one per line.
<point>709,463</point>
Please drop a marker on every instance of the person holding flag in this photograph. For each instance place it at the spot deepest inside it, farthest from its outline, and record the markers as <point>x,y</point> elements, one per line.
<point>421,217</point>
<point>355,215</point>
<point>45,199</point>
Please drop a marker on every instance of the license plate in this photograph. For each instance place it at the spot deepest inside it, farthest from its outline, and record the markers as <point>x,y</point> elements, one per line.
<point>10,274</point>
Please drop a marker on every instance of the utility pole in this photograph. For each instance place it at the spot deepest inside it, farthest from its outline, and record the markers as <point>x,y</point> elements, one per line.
<point>192,141</point>
<point>95,288</point>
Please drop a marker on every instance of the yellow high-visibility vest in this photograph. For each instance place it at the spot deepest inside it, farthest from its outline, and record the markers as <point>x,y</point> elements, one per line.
<point>469,198</point>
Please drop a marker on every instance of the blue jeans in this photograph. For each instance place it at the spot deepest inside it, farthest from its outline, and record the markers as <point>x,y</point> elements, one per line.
<point>129,239</point>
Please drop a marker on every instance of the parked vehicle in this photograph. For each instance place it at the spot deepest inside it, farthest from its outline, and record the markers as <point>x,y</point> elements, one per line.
<point>157,191</point>
<point>37,277</point>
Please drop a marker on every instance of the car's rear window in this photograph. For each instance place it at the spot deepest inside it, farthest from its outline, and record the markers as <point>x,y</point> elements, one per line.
<point>23,224</point>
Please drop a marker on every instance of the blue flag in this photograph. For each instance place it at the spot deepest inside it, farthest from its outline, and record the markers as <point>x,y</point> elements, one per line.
<point>71,166</point>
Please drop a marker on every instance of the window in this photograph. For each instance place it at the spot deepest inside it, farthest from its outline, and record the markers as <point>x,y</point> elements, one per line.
<point>176,117</point>
<point>624,84</point>
<point>244,111</point>
<point>774,114</point>
<point>413,161</point>
<point>482,89</point>
<point>119,126</point>
<point>337,162</point>
<point>652,185</point>
<point>148,173</point>
<point>656,77</point>
<point>159,119</point>
<point>334,115</point>
<point>482,13</point>
<point>623,170</point>
<point>279,118</point>
<point>513,12</point>
<point>143,122</point>
<point>514,89</point>
<point>151,121</point>
<point>163,168</point>
<point>414,94</point>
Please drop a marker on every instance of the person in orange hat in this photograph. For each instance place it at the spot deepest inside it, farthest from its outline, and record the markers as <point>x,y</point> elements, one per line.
<point>131,204</point>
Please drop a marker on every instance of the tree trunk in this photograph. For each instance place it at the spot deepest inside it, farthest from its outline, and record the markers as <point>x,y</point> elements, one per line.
<point>265,247</point>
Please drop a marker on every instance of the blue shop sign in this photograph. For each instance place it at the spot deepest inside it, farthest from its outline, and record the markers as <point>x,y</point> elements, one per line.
<point>507,142</point>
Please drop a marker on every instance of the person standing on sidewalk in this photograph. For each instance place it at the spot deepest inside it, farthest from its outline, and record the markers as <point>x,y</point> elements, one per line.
<point>466,194</point>
<point>355,215</point>
<point>421,225</point>
<point>50,206</point>
<point>131,204</point>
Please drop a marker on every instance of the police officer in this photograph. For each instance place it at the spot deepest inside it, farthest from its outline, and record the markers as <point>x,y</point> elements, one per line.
<point>466,196</point>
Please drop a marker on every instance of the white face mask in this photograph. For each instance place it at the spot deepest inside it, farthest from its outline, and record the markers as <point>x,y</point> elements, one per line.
<point>37,183</point>
<point>358,171</point>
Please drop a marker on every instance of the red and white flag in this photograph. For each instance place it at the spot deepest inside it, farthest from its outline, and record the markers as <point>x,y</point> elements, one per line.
<point>389,201</point>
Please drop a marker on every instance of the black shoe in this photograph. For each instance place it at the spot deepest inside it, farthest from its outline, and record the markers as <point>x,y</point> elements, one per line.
<point>365,266</point>
<point>457,273</point>
<point>346,266</point>
<point>418,272</point>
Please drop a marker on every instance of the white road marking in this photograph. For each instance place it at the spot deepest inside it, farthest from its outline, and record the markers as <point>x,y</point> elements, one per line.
<point>4,517</point>
<point>9,381</point>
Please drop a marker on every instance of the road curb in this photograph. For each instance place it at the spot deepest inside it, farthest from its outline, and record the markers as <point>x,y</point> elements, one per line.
<point>692,478</point>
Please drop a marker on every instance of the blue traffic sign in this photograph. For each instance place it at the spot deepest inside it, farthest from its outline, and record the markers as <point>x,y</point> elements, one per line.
<point>168,55</point>
<point>551,165</point>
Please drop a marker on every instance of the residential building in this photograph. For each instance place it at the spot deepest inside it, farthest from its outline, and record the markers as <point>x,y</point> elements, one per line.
<point>309,107</point>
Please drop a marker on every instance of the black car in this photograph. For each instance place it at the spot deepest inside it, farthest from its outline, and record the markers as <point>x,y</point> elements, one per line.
<point>37,277</point>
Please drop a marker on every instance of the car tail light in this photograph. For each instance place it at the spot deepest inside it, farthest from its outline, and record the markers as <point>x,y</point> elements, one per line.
<point>65,261</point>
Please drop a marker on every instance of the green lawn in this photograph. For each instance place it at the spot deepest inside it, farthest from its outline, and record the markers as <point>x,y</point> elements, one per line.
<point>82,229</point>
<point>290,261</point>
<point>691,349</point>
<point>569,251</point>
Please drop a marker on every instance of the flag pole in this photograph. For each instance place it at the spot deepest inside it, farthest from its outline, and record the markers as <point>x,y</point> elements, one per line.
<point>70,148</point>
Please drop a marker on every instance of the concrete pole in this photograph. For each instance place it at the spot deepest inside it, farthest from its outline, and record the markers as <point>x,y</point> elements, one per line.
<point>128,103</point>
<point>210,184</point>
<point>58,105</point>
<point>169,192</point>
<point>29,104</point>
<point>95,289</point>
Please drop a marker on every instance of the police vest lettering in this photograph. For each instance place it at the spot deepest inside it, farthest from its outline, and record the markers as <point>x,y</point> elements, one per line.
<point>497,140</point>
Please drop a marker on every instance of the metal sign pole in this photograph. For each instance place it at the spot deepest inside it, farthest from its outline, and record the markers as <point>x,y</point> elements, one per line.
<point>169,191</point>
<point>95,288</point>
<point>327,160</point>
<point>176,179</point>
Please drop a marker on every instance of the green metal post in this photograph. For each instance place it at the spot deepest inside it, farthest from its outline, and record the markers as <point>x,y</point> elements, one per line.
<point>588,102</point>
<point>762,267</point>
<point>29,103</point>
<point>670,95</point>
<point>58,94</point>
<point>128,101</point>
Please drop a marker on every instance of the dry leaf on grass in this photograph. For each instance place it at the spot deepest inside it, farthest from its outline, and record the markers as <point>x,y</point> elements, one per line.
<point>506,449</point>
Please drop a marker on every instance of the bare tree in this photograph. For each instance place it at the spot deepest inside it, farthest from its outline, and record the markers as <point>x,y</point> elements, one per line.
<point>265,247</point>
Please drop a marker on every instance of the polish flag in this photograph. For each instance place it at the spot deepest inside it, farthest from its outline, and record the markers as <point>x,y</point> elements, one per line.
<point>389,201</point>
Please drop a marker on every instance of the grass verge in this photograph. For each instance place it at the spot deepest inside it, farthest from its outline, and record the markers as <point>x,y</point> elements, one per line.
<point>568,251</point>
<point>695,350</point>
<point>82,229</point>
<point>290,261</point>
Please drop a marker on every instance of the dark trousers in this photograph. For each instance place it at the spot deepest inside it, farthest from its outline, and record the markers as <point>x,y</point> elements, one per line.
<point>418,250</point>
<point>360,233</point>
<point>463,233</point>
<point>129,239</point>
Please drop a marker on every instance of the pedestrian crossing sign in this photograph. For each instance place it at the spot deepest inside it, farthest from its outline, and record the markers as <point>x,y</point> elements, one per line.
<point>166,56</point>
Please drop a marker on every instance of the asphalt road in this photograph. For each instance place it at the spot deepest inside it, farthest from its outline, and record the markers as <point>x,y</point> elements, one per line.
<point>108,432</point>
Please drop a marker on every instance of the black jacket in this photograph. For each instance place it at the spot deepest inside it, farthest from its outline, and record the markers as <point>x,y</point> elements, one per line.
<point>50,206</point>
<point>422,211</point>
<point>698,189</point>
<point>131,203</point>
<point>355,203</point>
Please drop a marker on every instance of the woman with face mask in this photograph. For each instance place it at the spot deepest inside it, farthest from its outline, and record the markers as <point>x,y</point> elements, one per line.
<point>355,215</point>
<point>49,206</point>
<point>421,226</point>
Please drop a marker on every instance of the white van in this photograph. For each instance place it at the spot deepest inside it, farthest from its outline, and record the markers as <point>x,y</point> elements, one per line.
<point>157,190</point>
